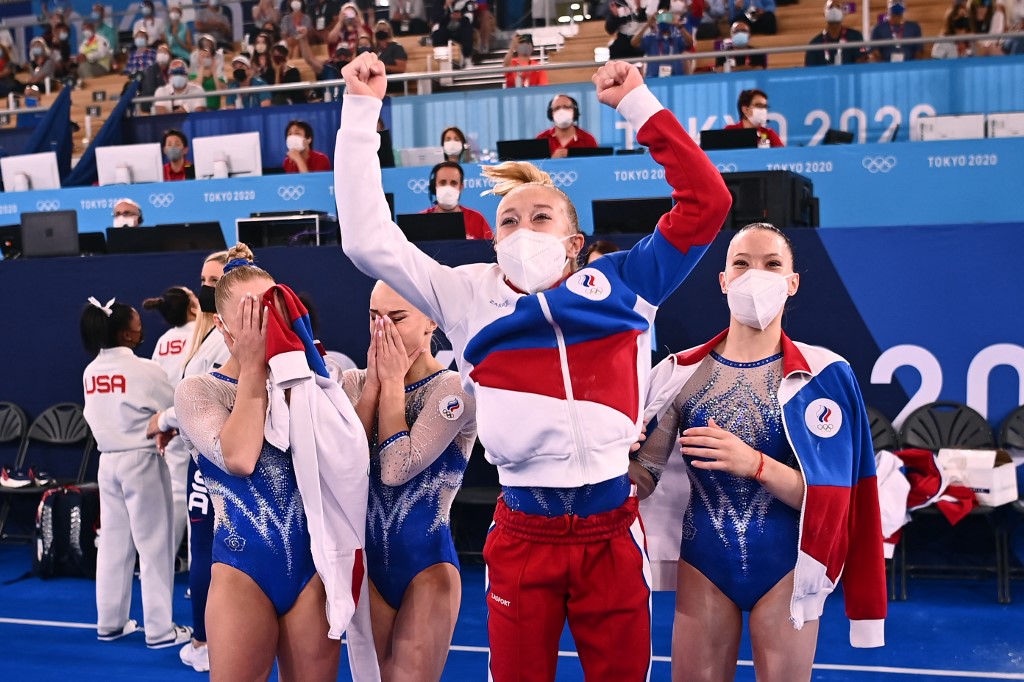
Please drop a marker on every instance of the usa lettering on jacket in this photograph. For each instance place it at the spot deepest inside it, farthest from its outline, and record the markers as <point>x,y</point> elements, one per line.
<point>171,347</point>
<point>105,383</point>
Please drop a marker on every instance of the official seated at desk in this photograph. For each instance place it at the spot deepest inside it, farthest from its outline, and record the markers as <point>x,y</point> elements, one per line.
<point>446,184</point>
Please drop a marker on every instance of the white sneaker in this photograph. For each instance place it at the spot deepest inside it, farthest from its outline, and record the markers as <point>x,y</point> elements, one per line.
<point>179,635</point>
<point>197,657</point>
<point>129,627</point>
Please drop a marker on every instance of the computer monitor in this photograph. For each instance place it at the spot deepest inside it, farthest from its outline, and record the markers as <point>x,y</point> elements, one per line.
<point>223,156</point>
<point>92,243</point>
<point>430,227</point>
<point>290,230</point>
<point>421,156</point>
<point>49,233</point>
<point>574,152</point>
<point>734,138</point>
<point>129,164</point>
<point>30,171</point>
<point>523,150</point>
<point>838,137</point>
<point>628,216</point>
<point>205,236</point>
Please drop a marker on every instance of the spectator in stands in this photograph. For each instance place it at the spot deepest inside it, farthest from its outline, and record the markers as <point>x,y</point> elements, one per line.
<point>292,22</point>
<point>894,27</point>
<point>1009,16</point>
<point>265,12</point>
<point>740,40</point>
<point>127,213</point>
<point>752,106</point>
<point>663,36</point>
<point>40,62</point>
<point>454,26</point>
<point>213,21</point>
<point>348,28</point>
<point>955,23</point>
<point>179,85</point>
<point>625,19</point>
<point>142,55</point>
<point>369,11</point>
<point>520,53</point>
<point>281,72</point>
<point>390,53</point>
<point>57,38</point>
<point>154,26</point>
<point>241,72</point>
<point>179,38</point>
<point>485,25</point>
<point>408,17</point>
<point>760,14</point>
<point>564,112</point>
<point>206,42</point>
<point>8,83</point>
<point>302,158</point>
<point>323,13</point>
<point>835,33</point>
<point>206,76</point>
<point>93,54</point>
<point>446,184</point>
<point>455,146</point>
<point>260,48</point>
<point>178,167</point>
<point>326,69</point>
<point>156,75</point>
<point>103,27</point>
<point>598,249</point>
<point>715,13</point>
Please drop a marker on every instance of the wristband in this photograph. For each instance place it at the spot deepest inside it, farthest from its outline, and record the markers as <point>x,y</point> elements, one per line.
<point>760,469</point>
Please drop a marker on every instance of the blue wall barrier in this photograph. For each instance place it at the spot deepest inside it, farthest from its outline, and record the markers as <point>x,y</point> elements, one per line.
<point>921,183</point>
<point>921,313</point>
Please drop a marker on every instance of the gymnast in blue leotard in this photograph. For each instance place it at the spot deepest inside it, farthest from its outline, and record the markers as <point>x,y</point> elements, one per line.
<point>421,425</point>
<point>266,600</point>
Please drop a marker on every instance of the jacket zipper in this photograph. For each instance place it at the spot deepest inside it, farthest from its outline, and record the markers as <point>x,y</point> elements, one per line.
<point>563,357</point>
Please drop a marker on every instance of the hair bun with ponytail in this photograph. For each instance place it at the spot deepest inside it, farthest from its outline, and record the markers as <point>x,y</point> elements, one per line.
<point>512,174</point>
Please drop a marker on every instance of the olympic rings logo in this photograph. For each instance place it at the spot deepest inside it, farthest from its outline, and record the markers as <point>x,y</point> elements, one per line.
<point>878,164</point>
<point>291,192</point>
<point>825,428</point>
<point>161,200</point>
<point>727,167</point>
<point>564,178</point>
<point>419,186</point>
<point>48,205</point>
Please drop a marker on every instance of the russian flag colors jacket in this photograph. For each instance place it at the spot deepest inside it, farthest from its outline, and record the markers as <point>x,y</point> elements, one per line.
<point>840,523</point>
<point>559,376</point>
<point>329,451</point>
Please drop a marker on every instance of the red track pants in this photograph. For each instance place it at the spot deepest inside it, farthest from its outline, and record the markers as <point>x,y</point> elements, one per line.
<point>593,571</point>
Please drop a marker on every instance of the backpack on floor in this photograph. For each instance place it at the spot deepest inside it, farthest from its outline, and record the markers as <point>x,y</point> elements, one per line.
<point>65,537</point>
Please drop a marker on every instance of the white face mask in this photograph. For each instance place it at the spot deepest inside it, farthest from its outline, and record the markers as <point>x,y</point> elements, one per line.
<point>162,58</point>
<point>532,261</point>
<point>563,118</point>
<point>178,82</point>
<point>296,6</point>
<point>757,296</point>
<point>126,221</point>
<point>833,15</point>
<point>452,148</point>
<point>295,143</point>
<point>447,197</point>
<point>758,116</point>
<point>677,6</point>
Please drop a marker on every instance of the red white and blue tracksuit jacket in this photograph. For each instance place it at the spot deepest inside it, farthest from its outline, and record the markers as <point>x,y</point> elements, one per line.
<point>840,523</point>
<point>559,376</point>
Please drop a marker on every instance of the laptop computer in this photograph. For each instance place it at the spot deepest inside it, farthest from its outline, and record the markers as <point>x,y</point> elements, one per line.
<point>736,138</point>
<point>421,156</point>
<point>523,150</point>
<point>428,227</point>
<point>834,136</point>
<point>206,236</point>
<point>589,151</point>
<point>49,233</point>
<point>628,216</point>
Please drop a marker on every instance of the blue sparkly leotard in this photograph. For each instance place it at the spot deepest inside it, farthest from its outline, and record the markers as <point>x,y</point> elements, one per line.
<point>735,532</point>
<point>414,476</point>
<point>259,522</point>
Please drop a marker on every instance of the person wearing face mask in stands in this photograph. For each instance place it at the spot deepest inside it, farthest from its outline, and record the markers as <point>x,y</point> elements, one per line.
<point>520,53</point>
<point>279,71</point>
<point>93,54</point>
<point>776,446</point>
<point>302,158</point>
<point>752,106</point>
<point>391,54</point>
<point>179,38</point>
<point>243,78</point>
<point>455,146</point>
<point>156,75</point>
<point>179,84</point>
<point>564,112</point>
<point>104,28</point>
<point>446,184</point>
<point>326,69</point>
<point>292,22</point>
<point>214,22</point>
<point>178,167</point>
<point>835,33</point>
<point>40,63</point>
<point>896,27</point>
<point>955,23</point>
<point>155,26</point>
<point>57,38</point>
<point>740,40</point>
<point>142,55</point>
<point>127,213</point>
<point>664,36</point>
<point>206,43</point>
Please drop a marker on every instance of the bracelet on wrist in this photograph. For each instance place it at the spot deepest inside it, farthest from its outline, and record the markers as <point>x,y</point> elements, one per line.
<point>760,469</point>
